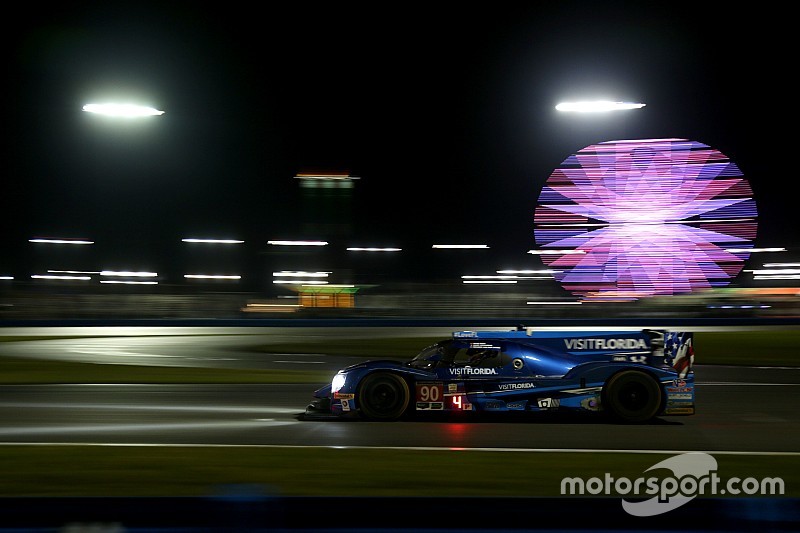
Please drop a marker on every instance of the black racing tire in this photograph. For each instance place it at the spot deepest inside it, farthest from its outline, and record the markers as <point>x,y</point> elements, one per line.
<point>383,396</point>
<point>632,397</point>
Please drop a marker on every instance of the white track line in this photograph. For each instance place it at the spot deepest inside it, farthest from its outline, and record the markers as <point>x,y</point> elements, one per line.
<point>400,448</point>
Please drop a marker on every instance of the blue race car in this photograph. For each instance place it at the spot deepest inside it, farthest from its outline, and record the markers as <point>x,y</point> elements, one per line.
<point>633,376</point>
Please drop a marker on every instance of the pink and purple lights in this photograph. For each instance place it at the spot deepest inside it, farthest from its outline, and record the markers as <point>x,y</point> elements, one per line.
<point>644,218</point>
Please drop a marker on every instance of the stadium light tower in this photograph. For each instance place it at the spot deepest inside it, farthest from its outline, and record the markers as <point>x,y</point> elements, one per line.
<point>597,106</point>
<point>122,110</point>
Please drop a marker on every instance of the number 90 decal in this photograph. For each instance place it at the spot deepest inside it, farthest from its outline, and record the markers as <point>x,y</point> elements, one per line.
<point>430,392</point>
<point>429,397</point>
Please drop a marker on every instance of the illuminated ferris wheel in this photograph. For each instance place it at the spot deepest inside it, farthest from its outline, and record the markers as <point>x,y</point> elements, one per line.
<point>631,219</point>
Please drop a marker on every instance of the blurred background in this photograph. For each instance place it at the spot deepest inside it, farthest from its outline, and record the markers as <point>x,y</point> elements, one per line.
<point>327,161</point>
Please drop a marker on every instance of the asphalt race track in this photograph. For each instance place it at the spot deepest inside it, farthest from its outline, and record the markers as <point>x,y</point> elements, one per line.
<point>744,412</point>
<point>740,409</point>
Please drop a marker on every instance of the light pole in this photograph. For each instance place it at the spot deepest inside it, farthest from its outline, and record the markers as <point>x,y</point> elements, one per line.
<point>122,110</point>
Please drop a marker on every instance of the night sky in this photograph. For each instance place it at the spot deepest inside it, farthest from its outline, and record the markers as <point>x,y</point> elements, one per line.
<point>445,113</point>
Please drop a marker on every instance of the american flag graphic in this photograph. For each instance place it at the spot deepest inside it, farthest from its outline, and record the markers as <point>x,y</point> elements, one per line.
<point>678,347</point>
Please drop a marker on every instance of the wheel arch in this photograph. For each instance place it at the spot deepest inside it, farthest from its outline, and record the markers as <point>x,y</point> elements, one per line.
<point>365,380</point>
<point>643,370</point>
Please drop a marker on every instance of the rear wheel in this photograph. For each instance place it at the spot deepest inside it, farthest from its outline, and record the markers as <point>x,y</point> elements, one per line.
<point>383,396</point>
<point>632,397</point>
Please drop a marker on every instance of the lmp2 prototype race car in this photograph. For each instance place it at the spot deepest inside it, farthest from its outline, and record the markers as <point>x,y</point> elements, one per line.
<point>631,376</point>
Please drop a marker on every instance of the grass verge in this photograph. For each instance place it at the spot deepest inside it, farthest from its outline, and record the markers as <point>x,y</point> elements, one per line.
<point>763,348</point>
<point>80,470</point>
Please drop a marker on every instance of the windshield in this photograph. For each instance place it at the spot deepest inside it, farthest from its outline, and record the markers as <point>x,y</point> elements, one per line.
<point>428,357</point>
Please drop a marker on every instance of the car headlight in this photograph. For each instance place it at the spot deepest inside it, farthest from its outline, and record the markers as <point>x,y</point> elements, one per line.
<point>337,382</point>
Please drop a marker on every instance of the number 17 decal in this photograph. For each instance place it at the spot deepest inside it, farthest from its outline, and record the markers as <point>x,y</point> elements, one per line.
<point>548,402</point>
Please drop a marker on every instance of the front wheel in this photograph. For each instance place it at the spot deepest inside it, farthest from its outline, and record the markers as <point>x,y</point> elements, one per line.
<point>383,396</point>
<point>632,397</point>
